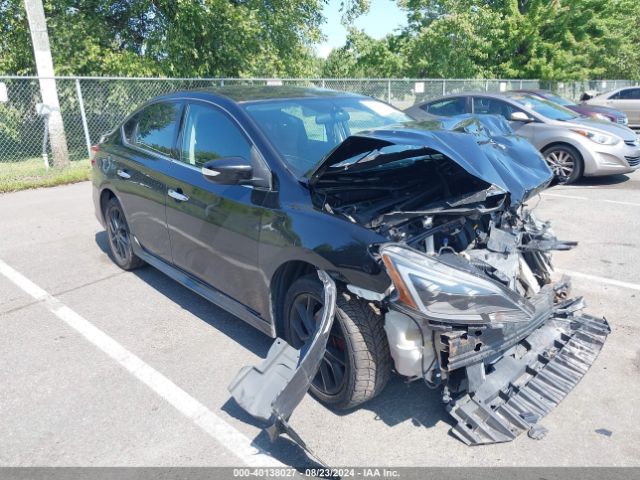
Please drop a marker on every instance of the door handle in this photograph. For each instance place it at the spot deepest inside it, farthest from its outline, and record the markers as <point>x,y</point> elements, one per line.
<point>181,197</point>
<point>123,174</point>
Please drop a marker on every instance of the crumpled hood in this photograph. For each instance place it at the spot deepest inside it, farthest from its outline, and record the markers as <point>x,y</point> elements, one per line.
<point>484,145</point>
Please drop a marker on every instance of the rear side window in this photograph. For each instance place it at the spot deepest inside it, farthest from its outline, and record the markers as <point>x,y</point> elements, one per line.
<point>154,128</point>
<point>210,134</point>
<point>448,107</point>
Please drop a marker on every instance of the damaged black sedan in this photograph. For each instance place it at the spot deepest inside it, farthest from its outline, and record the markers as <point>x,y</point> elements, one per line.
<point>367,243</point>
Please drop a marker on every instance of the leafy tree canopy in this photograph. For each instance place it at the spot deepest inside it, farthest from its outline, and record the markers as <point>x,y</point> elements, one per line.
<point>545,39</point>
<point>363,56</point>
<point>167,37</point>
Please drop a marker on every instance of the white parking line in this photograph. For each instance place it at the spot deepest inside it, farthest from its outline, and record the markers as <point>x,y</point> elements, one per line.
<point>576,197</point>
<point>617,202</point>
<point>608,281</point>
<point>191,408</point>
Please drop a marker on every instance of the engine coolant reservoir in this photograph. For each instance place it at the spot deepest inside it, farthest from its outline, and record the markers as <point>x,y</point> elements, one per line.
<point>405,344</point>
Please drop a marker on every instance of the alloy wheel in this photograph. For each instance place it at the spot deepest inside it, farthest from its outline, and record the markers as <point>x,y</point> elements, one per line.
<point>118,234</point>
<point>304,318</point>
<point>562,164</point>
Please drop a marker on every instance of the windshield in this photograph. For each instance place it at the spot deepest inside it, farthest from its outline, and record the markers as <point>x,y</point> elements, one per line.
<point>545,108</point>
<point>304,130</point>
<point>558,99</point>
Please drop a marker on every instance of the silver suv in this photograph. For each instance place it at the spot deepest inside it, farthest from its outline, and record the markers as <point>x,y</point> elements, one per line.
<point>572,145</point>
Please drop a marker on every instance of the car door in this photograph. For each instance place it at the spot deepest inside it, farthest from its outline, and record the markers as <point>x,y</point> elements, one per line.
<point>139,173</point>
<point>627,101</point>
<point>214,229</point>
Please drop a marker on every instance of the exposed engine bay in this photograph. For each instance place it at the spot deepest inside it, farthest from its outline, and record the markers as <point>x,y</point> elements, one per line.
<point>474,307</point>
<point>472,278</point>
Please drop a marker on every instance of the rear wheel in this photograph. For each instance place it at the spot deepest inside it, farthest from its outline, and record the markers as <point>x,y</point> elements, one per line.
<point>357,363</point>
<point>119,236</point>
<point>565,163</point>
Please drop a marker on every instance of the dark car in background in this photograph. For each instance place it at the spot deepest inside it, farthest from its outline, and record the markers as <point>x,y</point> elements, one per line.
<point>367,241</point>
<point>597,112</point>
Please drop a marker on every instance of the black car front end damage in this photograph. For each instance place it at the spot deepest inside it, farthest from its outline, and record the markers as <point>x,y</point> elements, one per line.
<point>473,306</point>
<point>503,360</point>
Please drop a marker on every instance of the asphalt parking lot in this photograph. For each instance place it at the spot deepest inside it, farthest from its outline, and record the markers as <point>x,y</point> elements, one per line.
<point>100,367</point>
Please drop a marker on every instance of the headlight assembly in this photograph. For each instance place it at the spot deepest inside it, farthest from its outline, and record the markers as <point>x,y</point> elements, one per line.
<point>446,292</point>
<point>597,137</point>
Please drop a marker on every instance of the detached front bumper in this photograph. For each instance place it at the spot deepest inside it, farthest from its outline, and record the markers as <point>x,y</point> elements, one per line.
<point>510,395</point>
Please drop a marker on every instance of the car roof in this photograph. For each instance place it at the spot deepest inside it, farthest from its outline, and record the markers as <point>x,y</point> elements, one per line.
<point>499,95</point>
<point>535,91</point>
<point>253,93</point>
<point>614,91</point>
<point>621,89</point>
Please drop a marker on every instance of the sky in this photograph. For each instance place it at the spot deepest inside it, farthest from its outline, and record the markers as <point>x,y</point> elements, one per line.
<point>384,17</point>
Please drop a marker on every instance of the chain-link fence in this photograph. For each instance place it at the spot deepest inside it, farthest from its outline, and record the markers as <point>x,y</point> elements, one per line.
<point>91,106</point>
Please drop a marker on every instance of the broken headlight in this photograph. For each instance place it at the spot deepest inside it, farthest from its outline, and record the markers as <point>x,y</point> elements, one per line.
<point>451,293</point>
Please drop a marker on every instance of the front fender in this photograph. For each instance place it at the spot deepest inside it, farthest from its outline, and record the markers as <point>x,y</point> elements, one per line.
<point>327,242</point>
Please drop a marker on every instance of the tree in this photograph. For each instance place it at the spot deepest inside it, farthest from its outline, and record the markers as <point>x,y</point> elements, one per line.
<point>168,37</point>
<point>363,56</point>
<point>463,44</point>
<point>546,39</point>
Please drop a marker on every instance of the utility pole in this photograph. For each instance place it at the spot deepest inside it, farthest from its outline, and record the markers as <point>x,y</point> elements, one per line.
<point>48,89</point>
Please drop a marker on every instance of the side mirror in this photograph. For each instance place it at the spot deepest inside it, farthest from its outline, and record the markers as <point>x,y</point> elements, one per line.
<point>520,117</point>
<point>228,171</point>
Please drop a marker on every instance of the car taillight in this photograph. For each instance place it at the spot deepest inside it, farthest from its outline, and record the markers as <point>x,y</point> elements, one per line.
<point>94,151</point>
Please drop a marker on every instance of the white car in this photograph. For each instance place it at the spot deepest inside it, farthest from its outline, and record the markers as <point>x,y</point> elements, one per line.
<point>625,99</point>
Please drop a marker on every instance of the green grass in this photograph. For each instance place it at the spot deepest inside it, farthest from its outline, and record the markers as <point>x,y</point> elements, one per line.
<point>31,173</point>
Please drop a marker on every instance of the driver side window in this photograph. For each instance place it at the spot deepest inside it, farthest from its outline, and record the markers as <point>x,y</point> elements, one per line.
<point>209,134</point>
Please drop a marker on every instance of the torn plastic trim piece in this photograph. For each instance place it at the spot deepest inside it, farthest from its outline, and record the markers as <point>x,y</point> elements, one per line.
<point>521,391</point>
<point>271,391</point>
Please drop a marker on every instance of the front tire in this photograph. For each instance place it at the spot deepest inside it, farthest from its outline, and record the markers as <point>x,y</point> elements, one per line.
<point>357,363</point>
<point>119,237</point>
<point>565,163</point>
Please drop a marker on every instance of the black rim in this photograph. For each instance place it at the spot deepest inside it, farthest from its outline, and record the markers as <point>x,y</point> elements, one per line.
<point>118,234</point>
<point>304,316</point>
